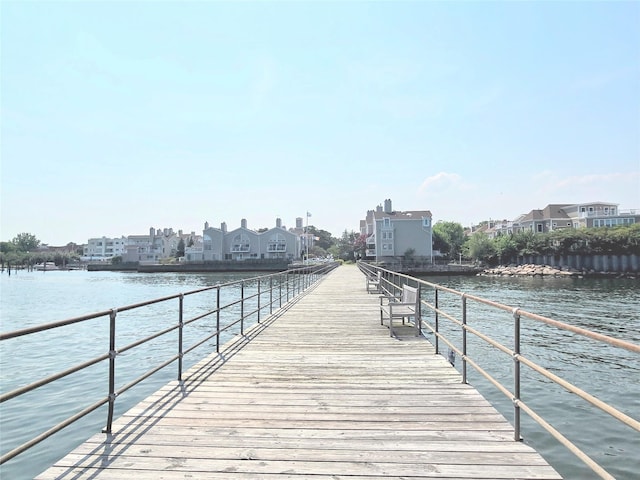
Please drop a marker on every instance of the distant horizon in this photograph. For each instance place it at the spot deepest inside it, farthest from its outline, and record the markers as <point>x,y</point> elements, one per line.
<point>117,115</point>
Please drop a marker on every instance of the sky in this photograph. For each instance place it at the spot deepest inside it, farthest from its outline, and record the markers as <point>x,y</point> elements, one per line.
<point>119,116</point>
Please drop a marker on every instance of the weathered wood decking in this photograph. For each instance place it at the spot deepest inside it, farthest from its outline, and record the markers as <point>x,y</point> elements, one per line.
<point>319,391</point>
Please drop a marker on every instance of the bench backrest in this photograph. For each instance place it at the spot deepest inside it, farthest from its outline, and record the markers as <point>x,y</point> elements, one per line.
<point>409,294</point>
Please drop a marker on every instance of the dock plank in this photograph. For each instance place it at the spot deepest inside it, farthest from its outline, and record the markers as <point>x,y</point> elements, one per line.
<point>319,390</point>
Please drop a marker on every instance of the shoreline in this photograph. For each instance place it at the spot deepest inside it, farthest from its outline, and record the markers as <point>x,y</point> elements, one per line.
<point>533,270</point>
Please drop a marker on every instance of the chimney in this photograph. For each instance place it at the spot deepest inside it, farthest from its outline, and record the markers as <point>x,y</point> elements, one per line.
<point>223,227</point>
<point>206,225</point>
<point>278,223</point>
<point>387,206</point>
<point>299,222</point>
<point>243,223</point>
<point>379,209</point>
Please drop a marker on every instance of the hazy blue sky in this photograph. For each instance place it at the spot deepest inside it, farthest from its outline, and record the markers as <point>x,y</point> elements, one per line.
<point>118,116</point>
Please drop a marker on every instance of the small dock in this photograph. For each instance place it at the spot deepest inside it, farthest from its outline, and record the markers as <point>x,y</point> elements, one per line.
<point>317,391</point>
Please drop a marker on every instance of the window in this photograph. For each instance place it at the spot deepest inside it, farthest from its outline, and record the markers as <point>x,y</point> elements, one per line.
<point>386,222</point>
<point>240,243</point>
<point>277,243</point>
<point>539,227</point>
<point>426,222</point>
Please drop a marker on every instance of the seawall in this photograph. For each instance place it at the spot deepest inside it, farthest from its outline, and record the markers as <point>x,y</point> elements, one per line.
<point>221,266</point>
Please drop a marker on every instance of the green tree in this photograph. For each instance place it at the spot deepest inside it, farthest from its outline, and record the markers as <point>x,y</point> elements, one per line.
<point>449,237</point>
<point>529,243</point>
<point>505,248</point>
<point>7,247</point>
<point>345,246</point>
<point>480,247</point>
<point>440,243</point>
<point>323,239</point>
<point>26,242</point>
<point>180,249</point>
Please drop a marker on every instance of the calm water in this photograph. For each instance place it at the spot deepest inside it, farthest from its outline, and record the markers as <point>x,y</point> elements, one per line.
<point>608,306</point>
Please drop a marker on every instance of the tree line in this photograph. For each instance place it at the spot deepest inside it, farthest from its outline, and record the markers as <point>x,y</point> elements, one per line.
<point>451,241</point>
<point>24,250</point>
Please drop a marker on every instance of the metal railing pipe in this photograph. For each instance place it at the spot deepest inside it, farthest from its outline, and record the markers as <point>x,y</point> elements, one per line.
<point>242,308</point>
<point>516,374</point>
<point>180,335</point>
<point>259,297</point>
<point>218,320</point>
<point>112,369</point>
<point>464,338</point>
<point>437,324</point>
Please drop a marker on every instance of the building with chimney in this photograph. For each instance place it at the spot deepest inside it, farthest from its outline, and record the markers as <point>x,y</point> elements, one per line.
<point>392,235</point>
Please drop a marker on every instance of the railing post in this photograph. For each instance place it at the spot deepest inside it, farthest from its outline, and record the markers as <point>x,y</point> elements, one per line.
<point>270,294</point>
<point>112,369</point>
<point>516,375</point>
<point>180,334</point>
<point>242,307</point>
<point>218,320</point>
<point>258,299</point>
<point>437,324</point>
<point>280,291</point>
<point>464,338</point>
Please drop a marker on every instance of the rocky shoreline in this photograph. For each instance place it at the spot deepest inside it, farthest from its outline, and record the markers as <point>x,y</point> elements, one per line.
<point>531,270</point>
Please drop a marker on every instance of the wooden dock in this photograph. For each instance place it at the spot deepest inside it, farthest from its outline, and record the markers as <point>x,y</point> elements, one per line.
<point>318,391</point>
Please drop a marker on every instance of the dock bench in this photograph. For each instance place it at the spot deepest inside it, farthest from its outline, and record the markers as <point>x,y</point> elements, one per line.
<point>408,305</point>
<point>373,283</point>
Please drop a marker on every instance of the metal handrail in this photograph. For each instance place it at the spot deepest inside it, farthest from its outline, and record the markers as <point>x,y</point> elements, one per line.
<point>283,287</point>
<point>392,281</point>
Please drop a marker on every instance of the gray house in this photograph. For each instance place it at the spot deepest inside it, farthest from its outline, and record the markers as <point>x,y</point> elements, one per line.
<point>244,243</point>
<point>279,243</point>
<point>567,215</point>
<point>391,235</point>
<point>212,243</point>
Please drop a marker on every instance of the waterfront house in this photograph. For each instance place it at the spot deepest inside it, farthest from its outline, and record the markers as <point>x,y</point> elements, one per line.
<point>566,215</point>
<point>104,248</point>
<point>393,235</point>
<point>244,243</point>
<point>279,243</point>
